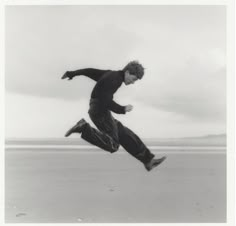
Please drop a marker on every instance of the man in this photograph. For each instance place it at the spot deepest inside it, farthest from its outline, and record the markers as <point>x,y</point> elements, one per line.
<point>111,133</point>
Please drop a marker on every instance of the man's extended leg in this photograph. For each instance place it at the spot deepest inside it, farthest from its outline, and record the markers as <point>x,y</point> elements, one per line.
<point>133,145</point>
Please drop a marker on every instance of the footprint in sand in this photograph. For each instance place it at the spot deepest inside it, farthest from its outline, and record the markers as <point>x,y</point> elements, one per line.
<point>79,219</point>
<point>20,214</point>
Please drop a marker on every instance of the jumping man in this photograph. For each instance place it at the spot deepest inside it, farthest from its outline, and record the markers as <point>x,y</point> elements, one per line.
<point>111,133</point>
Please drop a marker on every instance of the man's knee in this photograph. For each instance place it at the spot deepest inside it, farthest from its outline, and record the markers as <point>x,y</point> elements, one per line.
<point>114,147</point>
<point>120,127</point>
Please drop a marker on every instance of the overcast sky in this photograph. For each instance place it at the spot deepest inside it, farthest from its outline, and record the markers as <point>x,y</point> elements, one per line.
<point>183,48</point>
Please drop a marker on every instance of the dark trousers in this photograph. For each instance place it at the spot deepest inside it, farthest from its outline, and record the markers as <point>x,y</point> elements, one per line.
<point>111,134</point>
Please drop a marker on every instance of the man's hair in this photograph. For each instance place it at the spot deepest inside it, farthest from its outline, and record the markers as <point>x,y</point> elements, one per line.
<point>135,68</point>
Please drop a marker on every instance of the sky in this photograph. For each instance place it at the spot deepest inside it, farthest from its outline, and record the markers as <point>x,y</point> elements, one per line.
<point>183,50</point>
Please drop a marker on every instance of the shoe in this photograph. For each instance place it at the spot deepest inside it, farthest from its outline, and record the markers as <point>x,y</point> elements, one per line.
<point>154,163</point>
<point>78,128</point>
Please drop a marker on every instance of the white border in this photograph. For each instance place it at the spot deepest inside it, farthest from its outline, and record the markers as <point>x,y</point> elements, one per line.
<point>231,112</point>
<point>230,88</point>
<point>2,112</point>
<point>117,2</point>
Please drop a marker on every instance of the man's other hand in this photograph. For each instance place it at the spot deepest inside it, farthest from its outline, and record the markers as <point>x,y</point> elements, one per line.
<point>68,75</point>
<point>128,108</point>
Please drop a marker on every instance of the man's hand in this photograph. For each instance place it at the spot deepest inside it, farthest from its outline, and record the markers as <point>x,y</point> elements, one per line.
<point>128,108</point>
<point>68,75</point>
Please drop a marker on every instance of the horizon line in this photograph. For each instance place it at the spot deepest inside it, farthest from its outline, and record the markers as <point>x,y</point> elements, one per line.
<point>74,138</point>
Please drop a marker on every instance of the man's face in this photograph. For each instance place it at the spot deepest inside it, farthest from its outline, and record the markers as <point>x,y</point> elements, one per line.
<point>129,78</point>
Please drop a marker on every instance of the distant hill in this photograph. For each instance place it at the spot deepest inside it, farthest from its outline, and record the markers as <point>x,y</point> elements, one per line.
<point>209,140</point>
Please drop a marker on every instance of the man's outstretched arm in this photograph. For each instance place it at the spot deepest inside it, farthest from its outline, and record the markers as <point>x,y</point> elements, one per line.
<point>92,73</point>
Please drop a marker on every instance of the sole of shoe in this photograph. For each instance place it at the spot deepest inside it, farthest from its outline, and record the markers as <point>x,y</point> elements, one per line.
<point>76,128</point>
<point>156,164</point>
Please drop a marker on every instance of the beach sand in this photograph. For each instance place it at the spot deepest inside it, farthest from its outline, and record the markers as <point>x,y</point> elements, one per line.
<point>90,187</point>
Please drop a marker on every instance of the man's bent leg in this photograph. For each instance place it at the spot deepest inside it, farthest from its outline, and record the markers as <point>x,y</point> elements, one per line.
<point>99,139</point>
<point>106,137</point>
<point>133,145</point>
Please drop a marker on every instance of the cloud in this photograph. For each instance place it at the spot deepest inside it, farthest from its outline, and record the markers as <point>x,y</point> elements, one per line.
<point>33,116</point>
<point>39,53</point>
<point>197,90</point>
<point>50,117</point>
<point>182,49</point>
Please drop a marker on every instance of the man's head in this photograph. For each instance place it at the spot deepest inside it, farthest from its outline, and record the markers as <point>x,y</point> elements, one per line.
<point>133,71</point>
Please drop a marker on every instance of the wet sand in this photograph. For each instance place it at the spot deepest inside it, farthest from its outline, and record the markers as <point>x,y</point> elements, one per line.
<point>83,187</point>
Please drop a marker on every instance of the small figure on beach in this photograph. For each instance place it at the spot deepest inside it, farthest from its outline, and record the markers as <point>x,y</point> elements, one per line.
<point>111,133</point>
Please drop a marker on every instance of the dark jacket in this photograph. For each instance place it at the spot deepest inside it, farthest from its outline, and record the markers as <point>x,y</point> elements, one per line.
<point>108,82</point>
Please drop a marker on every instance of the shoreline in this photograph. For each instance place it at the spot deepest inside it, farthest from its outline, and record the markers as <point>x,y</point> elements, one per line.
<point>81,149</point>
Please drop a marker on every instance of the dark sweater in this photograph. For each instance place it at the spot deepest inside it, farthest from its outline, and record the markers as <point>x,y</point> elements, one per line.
<point>107,84</point>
